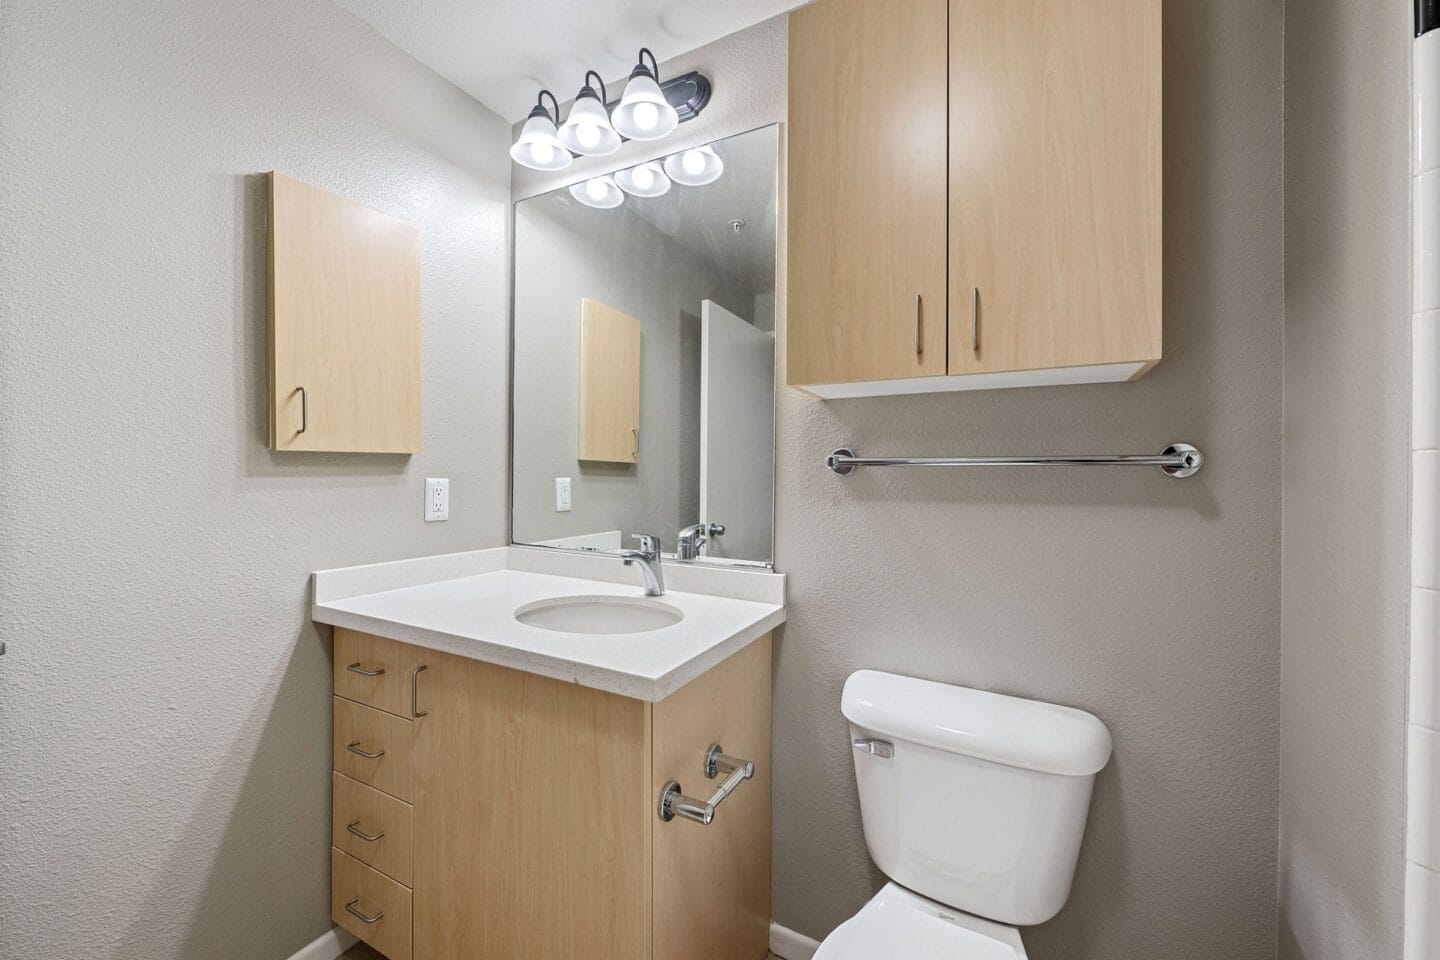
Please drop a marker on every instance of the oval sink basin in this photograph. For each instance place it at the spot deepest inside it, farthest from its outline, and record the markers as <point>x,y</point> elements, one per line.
<point>599,614</point>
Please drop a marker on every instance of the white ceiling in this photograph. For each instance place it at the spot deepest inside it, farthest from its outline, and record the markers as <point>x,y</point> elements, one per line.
<point>502,52</point>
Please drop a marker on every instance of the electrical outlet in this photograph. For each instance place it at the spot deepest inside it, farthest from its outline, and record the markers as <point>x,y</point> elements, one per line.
<point>562,494</point>
<point>437,499</point>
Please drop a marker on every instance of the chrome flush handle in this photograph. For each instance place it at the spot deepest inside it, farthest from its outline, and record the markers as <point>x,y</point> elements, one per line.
<point>883,749</point>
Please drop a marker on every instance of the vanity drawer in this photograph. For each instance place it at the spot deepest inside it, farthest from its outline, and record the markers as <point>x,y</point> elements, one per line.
<point>375,671</point>
<point>370,905</point>
<point>360,813</point>
<point>373,747</point>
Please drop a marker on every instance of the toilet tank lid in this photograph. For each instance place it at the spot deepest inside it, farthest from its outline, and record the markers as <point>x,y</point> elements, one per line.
<point>977,723</point>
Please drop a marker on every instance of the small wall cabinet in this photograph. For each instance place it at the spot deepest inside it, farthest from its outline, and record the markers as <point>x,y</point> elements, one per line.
<point>1019,243</point>
<point>486,813</point>
<point>344,324</point>
<point>609,384</point>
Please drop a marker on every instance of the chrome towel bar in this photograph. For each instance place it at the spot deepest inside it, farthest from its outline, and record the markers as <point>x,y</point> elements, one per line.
<point>674,803</point>
<point>1178,460</point>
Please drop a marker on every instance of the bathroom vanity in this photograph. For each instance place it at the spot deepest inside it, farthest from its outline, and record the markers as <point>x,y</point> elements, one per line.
<point>506,785</point>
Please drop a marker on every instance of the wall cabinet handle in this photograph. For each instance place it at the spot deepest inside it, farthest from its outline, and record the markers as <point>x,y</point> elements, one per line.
<point>354,827</point>
<point>919,344</point>
<point>636,452</point>
<point>354,747</point>
<point>350,909</point>
<point>415,710</point>
<point>304,409</point>
<point>356,668</point>
<point>974,319</point>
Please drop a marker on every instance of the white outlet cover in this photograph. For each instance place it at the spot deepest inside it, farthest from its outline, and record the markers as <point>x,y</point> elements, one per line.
<point>562,494</point>
<point>437,499</point>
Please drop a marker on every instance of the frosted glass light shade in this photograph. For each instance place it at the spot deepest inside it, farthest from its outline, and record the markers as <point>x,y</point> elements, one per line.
<point>599,192</point>
<point>587,131</point>
<point>538,146</point>
<point>695,167</point>
<point>646,180</point>
<point>644,113</point>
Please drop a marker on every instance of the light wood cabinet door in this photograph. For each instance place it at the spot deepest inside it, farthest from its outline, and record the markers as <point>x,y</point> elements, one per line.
<point>609,384</point>
<point>712,883</point>
<point>866,191</point>
<point>532,818</point>
<point>344,324</point>
<point>1055,184</point>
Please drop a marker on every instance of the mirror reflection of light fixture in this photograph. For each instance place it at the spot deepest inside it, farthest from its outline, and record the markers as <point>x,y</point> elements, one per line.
<point>587,131</point>
<point>695,167</point>
<point>599,192</point>
<point>644,113</point>
<point>538,146</point>
<point>646,180</point>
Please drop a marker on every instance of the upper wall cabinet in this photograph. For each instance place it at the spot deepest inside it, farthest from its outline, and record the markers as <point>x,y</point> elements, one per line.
<point>1037,207</point>
<point>609,384</point>
<point>344,324</point>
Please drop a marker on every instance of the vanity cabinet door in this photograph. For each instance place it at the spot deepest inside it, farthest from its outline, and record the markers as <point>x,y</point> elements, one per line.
<point>532,818</point>
<point>866,191</point>
<point>712,882</point>
<point>1055,202</point>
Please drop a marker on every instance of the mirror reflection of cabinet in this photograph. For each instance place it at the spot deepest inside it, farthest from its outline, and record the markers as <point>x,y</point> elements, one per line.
<point>609,384</point>
<point>344,324</point>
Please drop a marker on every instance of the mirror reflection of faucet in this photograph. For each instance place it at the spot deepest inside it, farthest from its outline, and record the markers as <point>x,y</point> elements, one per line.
<point>692,539</point>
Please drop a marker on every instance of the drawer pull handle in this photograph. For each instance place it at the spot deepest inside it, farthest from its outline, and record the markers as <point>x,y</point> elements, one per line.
<point>356,668</point>
<point>354,747</point>
<point>353,827</point>
<point>415,710</point>
<point>673,802</point>
<point>350,909</point>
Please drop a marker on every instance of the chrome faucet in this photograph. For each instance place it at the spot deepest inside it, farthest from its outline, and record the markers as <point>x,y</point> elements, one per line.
<point>693,539</point>
<point>648,557</point>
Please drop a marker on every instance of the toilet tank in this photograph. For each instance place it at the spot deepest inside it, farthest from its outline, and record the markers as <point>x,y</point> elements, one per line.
<point>982,799</point>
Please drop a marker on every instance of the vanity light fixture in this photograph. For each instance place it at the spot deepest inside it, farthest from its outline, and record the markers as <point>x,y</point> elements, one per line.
<point>599,192</point>
<point>645,180</point>
<point>538,146</point>
<point>695,167</point>
<point>587,131</point>
<point>644,113</point>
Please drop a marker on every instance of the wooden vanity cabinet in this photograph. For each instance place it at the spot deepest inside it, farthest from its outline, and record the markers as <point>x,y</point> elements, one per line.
<point>1047,115</point>
<point>531,805</point>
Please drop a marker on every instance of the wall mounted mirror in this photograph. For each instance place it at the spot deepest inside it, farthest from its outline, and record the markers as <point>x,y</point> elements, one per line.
<point>643,389</point>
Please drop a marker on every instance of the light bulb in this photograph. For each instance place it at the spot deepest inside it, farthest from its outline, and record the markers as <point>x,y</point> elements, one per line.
<point>588,135</point>
<point>646,115</point>
<point>643,177</point>
<point>542,152</point>
<point>596,189</point>
<point>694,162</point>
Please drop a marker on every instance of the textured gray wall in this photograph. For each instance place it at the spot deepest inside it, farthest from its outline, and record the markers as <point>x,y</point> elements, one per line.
<point>164,767</point>
<point>1346,492</point>
<point>1153,603</point>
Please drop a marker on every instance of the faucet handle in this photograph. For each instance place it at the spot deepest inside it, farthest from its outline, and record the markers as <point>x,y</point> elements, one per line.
<point>717,530</point>
<point>649,543</point>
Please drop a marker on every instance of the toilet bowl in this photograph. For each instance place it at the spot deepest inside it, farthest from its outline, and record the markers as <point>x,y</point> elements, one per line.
<point>974,805</point>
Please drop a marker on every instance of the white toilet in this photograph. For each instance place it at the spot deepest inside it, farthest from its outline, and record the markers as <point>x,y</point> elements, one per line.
<point>974,804</point>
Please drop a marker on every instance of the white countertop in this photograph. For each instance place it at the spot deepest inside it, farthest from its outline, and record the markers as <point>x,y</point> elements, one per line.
<point>464,604</point>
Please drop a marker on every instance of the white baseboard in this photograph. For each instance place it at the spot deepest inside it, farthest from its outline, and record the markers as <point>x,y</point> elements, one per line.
<point>789,945</point>
<point>327,946</point>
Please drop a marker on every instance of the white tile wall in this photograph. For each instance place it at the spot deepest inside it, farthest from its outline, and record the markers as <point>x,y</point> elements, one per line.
<point>1422,844</point>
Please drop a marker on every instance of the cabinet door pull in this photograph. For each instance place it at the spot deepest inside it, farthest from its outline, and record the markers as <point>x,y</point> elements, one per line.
<point>919,344</point>
<point>354,827</point>
<point>974,319</point>
<point>350,909</point>
<point>356,668</point>
<point>636,452</point>
<point>304,410</point>
<point>354,747</point>
<point>415,710</point>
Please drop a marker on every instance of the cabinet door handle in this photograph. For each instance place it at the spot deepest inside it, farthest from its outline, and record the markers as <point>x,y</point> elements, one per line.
<point>304,409</point>
<point>356,668</point>
<point>354,747</point>
<point>354,827</point>
<point>919,344</point>
<point>974,319</point>
<point>350,909</point>
<point>636,452</point>
<point>415,710</point>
